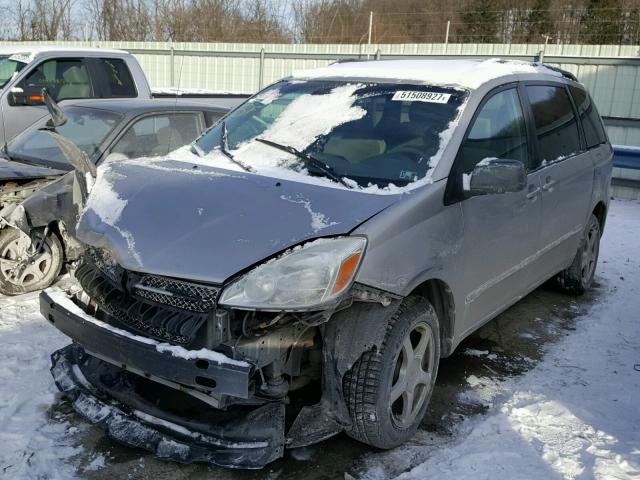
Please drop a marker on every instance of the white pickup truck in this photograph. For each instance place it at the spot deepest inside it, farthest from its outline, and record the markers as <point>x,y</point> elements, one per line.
<point>69,74</point>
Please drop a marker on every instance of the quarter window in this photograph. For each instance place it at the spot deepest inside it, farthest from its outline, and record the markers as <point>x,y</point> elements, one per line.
<point>591,123</point>
<point>119,82</point>
<point>498,131</point>
<point>555,123</point>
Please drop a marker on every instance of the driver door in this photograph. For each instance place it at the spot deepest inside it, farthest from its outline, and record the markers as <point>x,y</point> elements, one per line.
<point>500,230</point>
<point>65,78</point>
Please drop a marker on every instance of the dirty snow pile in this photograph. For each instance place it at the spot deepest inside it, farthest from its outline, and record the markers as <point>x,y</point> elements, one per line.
<point>577,414</point>
<point>35,441</point>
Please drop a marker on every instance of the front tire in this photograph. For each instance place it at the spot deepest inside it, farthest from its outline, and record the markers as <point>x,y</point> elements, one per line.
<point>23,270</point>
<point>387,390</point>
<point>579,276</point>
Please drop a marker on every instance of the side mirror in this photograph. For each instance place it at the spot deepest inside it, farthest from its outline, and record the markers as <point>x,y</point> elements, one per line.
<point>19,98</point>
<point>494,176</point>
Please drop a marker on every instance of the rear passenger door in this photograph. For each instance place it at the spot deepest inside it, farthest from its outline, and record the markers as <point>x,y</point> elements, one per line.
<point>64,78</point>
<point>566,172</point>
<point>501,230</point>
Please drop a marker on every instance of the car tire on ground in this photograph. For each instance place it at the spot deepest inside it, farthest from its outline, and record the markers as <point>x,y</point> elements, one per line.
<point>388,389</point>
<point>40,268</point>
<point>577,278</point>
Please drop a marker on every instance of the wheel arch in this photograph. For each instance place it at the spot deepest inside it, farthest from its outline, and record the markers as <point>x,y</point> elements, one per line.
<point>440,296</point>
<point>600,211</point>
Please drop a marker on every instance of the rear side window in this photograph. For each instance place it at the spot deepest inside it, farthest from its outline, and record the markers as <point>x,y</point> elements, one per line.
<point>555,123</point>
<point>157,135</point>
<point>591,123</point>
<point>117,77</point>
<point>64,78</point>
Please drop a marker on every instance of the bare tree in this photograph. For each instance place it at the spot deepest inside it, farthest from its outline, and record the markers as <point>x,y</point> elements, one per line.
<point>44,20</point>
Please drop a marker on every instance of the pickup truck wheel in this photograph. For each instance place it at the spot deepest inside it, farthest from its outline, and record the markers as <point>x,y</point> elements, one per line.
<point>578,277</point>
<point>388,389</point>
<point>22,269</point>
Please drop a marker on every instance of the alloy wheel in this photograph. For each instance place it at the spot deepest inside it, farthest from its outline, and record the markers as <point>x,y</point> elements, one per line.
<point>21,265</point>
<point>412,375</point>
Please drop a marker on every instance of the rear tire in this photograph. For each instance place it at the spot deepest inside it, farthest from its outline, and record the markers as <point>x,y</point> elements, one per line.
<point>576,279</point>
<point>387,390</point>
<point>22,270</point>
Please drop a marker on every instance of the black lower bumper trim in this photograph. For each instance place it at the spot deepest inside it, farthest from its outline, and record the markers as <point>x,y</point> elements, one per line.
<point>125,350</point>
<point>252,441</point>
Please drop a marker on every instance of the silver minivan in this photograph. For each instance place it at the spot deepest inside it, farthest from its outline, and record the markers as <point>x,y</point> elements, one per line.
<point>302,268</point>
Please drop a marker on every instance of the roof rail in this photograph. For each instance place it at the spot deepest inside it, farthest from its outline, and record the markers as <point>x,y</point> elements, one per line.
<point>346,60</point>
<point>561,71</point>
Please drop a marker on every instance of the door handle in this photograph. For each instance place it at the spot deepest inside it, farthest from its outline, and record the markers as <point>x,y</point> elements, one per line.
<point>549,185</point>
<point>533,193</point>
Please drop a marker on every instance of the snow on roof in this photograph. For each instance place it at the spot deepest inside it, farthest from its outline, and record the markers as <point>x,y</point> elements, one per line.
<point>29,51</point>
<point>465,73</point>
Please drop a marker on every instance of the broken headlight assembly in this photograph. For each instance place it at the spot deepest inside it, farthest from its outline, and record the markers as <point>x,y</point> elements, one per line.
<point>306,277</point>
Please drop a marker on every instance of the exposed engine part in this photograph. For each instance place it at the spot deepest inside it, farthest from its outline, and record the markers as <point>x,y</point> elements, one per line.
<point>14,192</point>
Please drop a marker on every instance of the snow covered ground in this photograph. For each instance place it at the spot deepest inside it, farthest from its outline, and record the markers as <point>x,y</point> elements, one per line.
<point>577,414</point>
<point>573,413</point>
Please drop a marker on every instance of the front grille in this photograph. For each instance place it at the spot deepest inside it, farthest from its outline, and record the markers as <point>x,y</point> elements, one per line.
<point>168,310</point>
<point>177,293</point>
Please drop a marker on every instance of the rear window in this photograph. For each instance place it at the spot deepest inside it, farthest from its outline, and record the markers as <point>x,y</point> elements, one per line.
<point>118,80</point>
<point>556,125</point>
<point>591,123</point>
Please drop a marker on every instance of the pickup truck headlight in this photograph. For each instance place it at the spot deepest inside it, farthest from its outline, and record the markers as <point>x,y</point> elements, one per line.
<point>305,277</point>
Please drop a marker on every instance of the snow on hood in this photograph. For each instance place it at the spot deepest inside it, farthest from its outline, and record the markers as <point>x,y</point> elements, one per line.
<point>188,220</point>
<point>465,73</point>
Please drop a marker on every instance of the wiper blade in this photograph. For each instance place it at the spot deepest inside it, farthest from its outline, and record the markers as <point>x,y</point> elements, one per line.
<point>308,159</point>
<point>224,148</point>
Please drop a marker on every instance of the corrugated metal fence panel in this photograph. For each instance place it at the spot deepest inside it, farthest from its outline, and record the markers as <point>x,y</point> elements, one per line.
<point>610,72</point>
<point>624,135</point>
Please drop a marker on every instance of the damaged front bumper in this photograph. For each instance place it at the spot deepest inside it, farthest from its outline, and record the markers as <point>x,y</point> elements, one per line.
<point>96,374</point>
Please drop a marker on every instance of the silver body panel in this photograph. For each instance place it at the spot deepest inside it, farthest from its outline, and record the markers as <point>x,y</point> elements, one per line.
<point>489,250</point>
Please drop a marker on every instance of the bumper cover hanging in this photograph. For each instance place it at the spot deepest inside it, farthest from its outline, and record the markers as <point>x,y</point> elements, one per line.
<point>250,441</point>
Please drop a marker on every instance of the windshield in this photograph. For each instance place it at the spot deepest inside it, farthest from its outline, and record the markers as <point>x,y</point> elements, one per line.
<point>8,68</point>
<point>368,134</point>
<point>86,127</point>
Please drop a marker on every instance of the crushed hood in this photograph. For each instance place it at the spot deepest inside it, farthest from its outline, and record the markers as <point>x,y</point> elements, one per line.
<point>206,224</point>
<point>10,170</point>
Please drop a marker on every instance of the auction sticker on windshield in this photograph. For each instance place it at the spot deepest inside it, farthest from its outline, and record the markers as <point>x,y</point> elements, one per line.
<point>414,96</point>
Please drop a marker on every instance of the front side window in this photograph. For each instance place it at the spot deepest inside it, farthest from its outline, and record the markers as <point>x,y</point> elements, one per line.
<point>555,123</point>
<point>594,132</point>
<point>498,131</point>
<point>362,134</point>
<point>157,135</point>
<point>86,127</point>
<point>64,78</point>
<point>119,82</point>
<point>9,67</point>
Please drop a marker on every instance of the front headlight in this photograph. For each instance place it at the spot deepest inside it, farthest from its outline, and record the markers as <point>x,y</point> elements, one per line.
<point>306,277</point>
